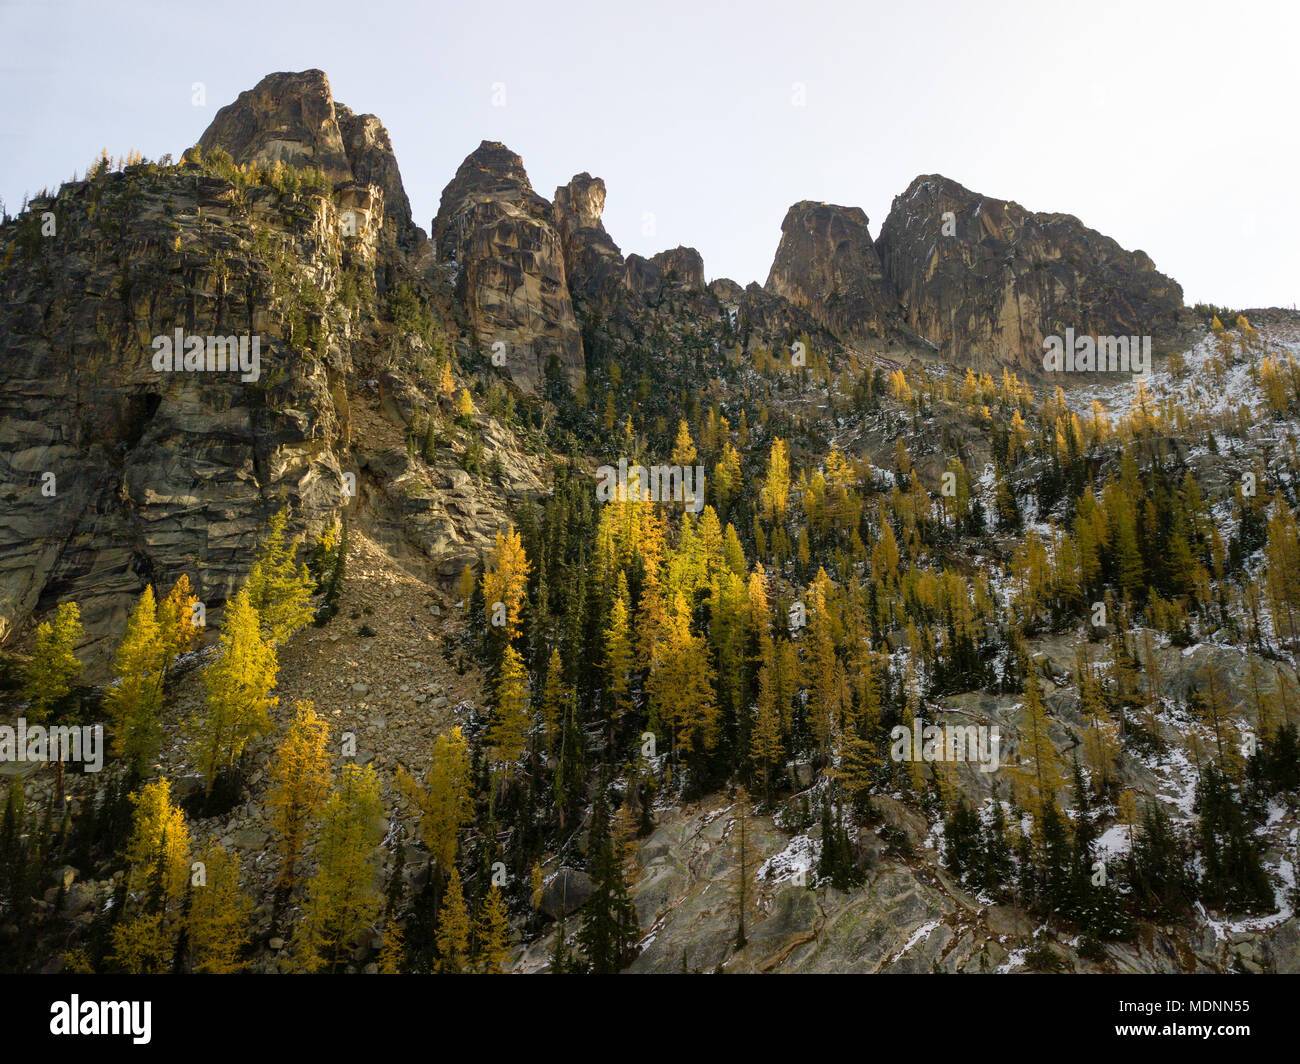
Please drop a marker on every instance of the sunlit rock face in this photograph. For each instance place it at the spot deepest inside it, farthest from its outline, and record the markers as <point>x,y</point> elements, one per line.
<point>510,262</point>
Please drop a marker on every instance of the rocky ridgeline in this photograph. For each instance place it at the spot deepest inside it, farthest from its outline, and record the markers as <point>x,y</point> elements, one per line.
<point>982,280</point>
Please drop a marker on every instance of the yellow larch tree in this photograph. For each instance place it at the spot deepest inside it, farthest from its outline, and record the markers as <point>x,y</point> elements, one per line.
<point>177,631</point>
<point>217,922</point>
<point>492,931</point>
<point>505,583</point>
<point>279,588</point>
<point>682,682</point>
<point>300,779</point>
<point>134,703</point>
<point>239,684</point>
<point>343,897</point>
<point>618,652</point>
<point>160,842</point>
<point>452,938</point>
<point>54,667</point>
<point>684,453</point>
<point>158,868</point>
<point>444,799</point>
<point>775,495</point>
<point>506,733</point>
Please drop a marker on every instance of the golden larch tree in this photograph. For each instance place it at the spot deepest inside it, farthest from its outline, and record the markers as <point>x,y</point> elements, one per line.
<point>343,897</point>
<point>505,584</point>
<point>492,932</point>
<point>239,684</point>
<point>54,667</point>
<point>134,703</point>
<point>279,589</point>
<point>300,779</point>
<point>452,938</point>
<point>217,922</point>
<point>444,799</point>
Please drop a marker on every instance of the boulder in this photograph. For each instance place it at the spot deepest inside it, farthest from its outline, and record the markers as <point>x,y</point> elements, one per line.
<point>566,892</point>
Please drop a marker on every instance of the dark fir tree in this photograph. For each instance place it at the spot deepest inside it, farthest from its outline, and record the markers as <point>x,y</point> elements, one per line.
<point>609,929</point>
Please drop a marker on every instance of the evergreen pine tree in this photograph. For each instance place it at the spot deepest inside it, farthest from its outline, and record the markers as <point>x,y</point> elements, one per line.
<point>609,924</point>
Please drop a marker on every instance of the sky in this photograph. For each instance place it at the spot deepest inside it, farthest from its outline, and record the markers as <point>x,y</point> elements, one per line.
<point>1169,126</point>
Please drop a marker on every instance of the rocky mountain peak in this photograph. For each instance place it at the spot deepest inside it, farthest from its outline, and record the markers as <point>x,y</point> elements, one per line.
<point>826,263</point>
<point>510,265</point>
<point>285,117</point>
<point>294,119</point>
<point>580,203</point>
<point>987,280</point>
<point>594,263</point>
<point>490,172</point>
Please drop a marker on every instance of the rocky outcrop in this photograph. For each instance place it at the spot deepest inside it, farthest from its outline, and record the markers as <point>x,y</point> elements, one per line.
<point>827,265</point>
<point>592,260</point>
<point>578,207</point>
<point>370,154</point>
<point>642,278</point>
<point>293,118</point>
<point>510,266</point>
<point>681,266</point>
<point>989,285</point>
<point>768,318</point>
<point>565,893</point>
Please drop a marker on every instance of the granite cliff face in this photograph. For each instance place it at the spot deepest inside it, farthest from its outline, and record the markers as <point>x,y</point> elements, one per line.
<point>510,266</point>
<point>989,285</point>
<point>370,151</point>
<point>827,265</point>
<point>161,473</point>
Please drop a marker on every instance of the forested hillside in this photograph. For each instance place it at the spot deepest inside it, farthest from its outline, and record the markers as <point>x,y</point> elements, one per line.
<point>539,609</point>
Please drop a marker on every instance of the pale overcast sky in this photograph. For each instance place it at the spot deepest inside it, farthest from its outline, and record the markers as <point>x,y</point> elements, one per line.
<point>1170,126</point>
